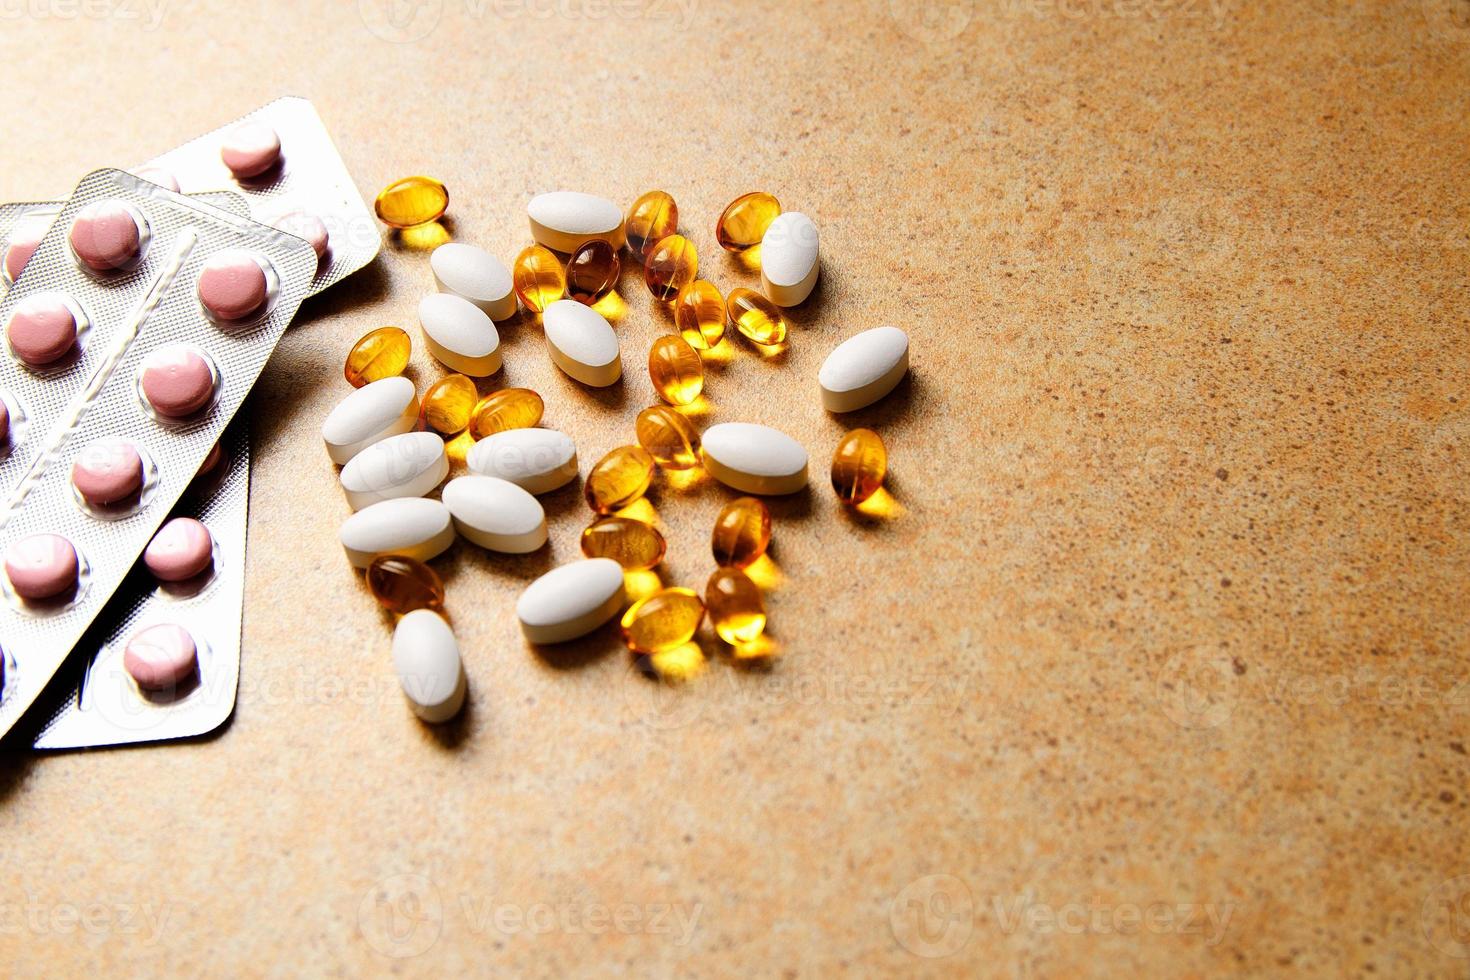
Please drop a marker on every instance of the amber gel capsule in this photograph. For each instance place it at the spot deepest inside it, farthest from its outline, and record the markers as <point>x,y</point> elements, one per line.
<point>676,371</point>
<point>632,544</point>
<point>662,621</point>
<point>592,271</point>
<point>411,201</point>
<point>745,220</point>
<point>538,278</point>
<point>508,408</point>
<point>618,479</point>
<point>382,353</point>
<point>448,403</point>
<point>742,532</point>
<point>736,609</point>
<point>402,584</point>
<point>668,437</point>
<point>672,265</point>
<point>652,218</point>
<point>757,318</point>
<point>858,466</point>
<point>699,312</point>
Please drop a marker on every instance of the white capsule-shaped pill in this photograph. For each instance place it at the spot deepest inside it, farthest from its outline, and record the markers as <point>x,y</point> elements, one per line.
<point>571,601</point>
<point>370,414</point>
<point>460,334</point>
<point>789,259</point>
<point>562,220</point>
<point>753,458</point>
<point>582,343</point>
<point>495,514</point>
<point>864,368</point>
<point>407,465</point>
<point>536,460</point>
<point>472,273</point>
<point>427,661</point>
<point>414,527</point>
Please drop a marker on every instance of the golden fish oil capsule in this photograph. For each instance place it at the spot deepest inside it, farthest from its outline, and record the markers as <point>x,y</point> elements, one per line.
<point>538,278</point>
<point>651,219</point>
<point>448,403</point>
<point>668,437</point>
<point>411,201</point>
<point>742,533</point>
<point>671,265</point>
<point>632,544</point>
<point>402,584</point>
<point>736,609</point>
<point>757,318</point>
<point>662,621</point>
<point>858,466</point>
<point>592,271</point>
<point>676,371</point>
<point>618,479</point>
<point>699,312</point>
<point>381,353</point>
<point>508,408</point>
<point>744,222</point>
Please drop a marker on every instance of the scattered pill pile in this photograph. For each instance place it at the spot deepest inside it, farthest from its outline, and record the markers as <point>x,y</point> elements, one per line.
<point>390,442</point>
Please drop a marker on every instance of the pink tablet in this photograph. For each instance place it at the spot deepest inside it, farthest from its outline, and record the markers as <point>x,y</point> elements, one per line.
<point>232,285</point>
<point>251,150</point>
<point>177,381</point>
<point>161,657</point>
<point>106,237</point>
<point>182,549</point>
<point>24,239</point>
<point>107,471</point>
<point>42,329</point>
<point>4,421</point>
<point>41,566</point>
<point>159,176</point>
<point>305,225</point>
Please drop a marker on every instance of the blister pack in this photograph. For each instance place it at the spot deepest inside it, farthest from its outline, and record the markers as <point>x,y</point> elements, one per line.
<point>167,309</point>
<point>280,157</point>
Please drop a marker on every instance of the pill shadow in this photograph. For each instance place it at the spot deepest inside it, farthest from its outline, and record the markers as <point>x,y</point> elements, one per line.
<point>456,731</point>
<point>563,500</point>
<point>810,310</point>
<point>583,651</point>
<point>16,763</point>
<point>368,285</point>
<point>792,506</point>
<point>908,397</point>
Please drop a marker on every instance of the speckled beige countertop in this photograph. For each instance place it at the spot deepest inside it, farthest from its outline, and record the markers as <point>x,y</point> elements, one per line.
<point>1155,663</point>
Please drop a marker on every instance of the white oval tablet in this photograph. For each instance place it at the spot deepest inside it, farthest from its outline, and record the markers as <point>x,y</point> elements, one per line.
<point>864,368</point>
<point>753,458</point>
<point>407,465</point>
<point>789,262</point>
<point>582,343</point>
<point>536,460</point>
<point>460,334</point>
<point>426,658</point>
<point>571,601</point>
<point>414,527</point>
<point>472,273</point>
<point>562,220</point>
<point>495,514</point>
<point>370,414</point>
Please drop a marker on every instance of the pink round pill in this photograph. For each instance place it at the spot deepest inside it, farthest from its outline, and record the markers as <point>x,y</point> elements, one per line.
<point>159,176</point>
<point>251,150</point>
<point>211,460</point>
<point>160,657</point>
<point>42,330</point>
<point>24,240</point>
<point>4,421</point>
<point>181,549</point>
<point>107,471</point>
<point>177,381</point>
<point>308,226</point>
<point>106,236</point>
<point>232,285</point>
<point>41,566</point>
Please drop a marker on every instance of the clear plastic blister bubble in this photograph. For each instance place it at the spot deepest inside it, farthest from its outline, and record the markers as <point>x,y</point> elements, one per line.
<point>98,399</point>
